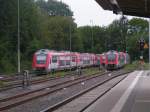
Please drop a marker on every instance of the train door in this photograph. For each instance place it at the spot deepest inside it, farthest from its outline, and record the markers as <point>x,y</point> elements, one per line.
<point>74,61</point>
<point>121,59</point>
<point>68,61</point>
<point>54,62</point>
<point>62,62</point>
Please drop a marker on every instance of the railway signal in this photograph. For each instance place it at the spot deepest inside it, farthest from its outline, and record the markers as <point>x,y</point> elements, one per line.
<point>141,44</point>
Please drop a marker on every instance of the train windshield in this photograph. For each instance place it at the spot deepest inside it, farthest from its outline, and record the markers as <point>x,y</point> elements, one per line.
<point>111,57</point>
<point>41,59</point>
<point>103,57</point>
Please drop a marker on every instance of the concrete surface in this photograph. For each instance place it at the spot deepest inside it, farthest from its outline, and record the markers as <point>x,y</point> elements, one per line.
<point>131,95</point>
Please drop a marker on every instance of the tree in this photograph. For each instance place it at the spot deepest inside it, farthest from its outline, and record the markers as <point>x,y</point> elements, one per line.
<point>99,38</point>
<point>59,29</point>
<point>138,28</point>
<point>30,28</point>
<point>8,31</point>
<point>54,8</point>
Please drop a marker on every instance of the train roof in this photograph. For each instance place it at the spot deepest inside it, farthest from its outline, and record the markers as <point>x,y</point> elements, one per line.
<point>112,51</point>
<point>45,51</point>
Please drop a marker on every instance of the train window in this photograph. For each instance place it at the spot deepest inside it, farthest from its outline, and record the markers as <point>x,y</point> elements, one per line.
<point>103,57</point>
<point>41,59</point>
<point>111,57</point>
<point>122,58</point>
<point>98,62</point>
<point>54,59</point>
<point>62,63</point>
<point>68,62</point>
<point>84,61</point>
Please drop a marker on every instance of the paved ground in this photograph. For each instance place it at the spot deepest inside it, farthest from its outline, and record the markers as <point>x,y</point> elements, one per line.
<point>131,95</point>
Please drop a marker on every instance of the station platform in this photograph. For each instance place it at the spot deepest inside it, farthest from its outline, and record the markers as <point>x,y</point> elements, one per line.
<point>131,95</point>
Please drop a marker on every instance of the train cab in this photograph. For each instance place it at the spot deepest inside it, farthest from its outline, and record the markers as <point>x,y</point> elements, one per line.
<point>112,60</point>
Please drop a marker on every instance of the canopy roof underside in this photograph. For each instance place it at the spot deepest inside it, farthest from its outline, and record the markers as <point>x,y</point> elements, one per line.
<point>127,7</point>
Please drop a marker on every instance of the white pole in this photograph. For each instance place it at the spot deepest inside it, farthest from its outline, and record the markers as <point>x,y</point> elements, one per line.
<point>92,43</point>
<point>70,36</point>
<point>18,36</point>
<point>149,40</point>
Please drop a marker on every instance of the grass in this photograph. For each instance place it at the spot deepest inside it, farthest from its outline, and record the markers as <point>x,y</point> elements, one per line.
<point>134,66</point>
<point>146,66</point>
<point>87,71</point>
<point>3,83</point>
<point>90,71</point>
<point>137,66</point>
<point>60,73</point>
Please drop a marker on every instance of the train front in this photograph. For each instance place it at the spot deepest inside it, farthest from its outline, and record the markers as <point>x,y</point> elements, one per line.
<point>112,60</point>
<point>40,61</point>
<point>103,59</point>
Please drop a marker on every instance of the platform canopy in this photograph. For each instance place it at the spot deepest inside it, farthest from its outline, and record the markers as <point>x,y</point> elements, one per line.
<point>139,8</point>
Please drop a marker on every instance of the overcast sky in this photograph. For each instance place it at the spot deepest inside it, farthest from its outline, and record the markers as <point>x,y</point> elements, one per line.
<point>86,11</point>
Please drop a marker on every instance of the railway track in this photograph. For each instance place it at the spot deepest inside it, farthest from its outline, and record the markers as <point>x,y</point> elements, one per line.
<point>68,103</point>
<point>17,81</point>
<point>18,99</point>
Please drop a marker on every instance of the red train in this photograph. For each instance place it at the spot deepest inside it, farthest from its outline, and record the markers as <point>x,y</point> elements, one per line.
<point>103,59</point>
<point>115,60</point>
<point>48,60</point>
